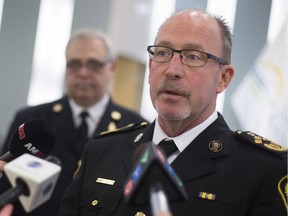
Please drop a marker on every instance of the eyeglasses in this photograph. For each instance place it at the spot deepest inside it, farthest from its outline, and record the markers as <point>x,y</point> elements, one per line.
<point>192,58</point>
<point>90,65</point>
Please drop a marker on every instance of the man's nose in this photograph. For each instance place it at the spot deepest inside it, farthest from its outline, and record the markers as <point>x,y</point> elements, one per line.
<point>175,66</point>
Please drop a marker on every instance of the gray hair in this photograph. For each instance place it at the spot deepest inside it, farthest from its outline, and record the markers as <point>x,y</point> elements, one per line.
<point>227,41</point>
<point>89,33</point>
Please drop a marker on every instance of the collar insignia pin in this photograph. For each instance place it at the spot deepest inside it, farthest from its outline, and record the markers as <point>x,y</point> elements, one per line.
<point>112,126</point>
<point>116,115</point>
<point>138,137</point>
<point>215,146</point>
<point>57,108</point>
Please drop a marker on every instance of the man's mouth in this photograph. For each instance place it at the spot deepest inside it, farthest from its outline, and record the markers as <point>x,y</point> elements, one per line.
<point>171,92</point>
<point>172,89</point>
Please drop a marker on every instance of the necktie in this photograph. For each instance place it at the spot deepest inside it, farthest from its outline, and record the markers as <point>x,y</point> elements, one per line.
<point>168,146</point>
<point>83,129</point>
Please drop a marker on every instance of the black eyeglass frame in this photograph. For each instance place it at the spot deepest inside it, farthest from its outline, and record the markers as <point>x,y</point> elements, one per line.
<point>92,64</point>
<point>209,55</point>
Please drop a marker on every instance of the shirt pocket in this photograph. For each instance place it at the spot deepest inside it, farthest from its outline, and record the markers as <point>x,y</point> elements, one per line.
<point>100,199</point>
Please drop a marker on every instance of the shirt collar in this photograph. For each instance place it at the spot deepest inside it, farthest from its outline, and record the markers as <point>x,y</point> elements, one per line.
<point>184,139</point>
<point>95,111</point>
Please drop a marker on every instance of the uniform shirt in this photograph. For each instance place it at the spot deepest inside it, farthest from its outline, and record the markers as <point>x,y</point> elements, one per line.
<point>95,113</point>
<point>225,173</point>
<point>183,140</point>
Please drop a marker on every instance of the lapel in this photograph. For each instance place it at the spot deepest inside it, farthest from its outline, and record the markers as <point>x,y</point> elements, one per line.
<point>146,136</point>
<point>106,118</point>
<point>197,159</point>
<point>63,121</point>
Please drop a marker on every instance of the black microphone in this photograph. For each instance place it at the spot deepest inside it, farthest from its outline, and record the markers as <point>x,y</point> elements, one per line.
<point>33,137</point>
<point>33,180</point>
<point>153,181</point>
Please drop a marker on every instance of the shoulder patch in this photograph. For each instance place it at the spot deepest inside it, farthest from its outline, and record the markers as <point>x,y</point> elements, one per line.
<point>283,190</point>
<point>262,142</point>
<point>124,129</point>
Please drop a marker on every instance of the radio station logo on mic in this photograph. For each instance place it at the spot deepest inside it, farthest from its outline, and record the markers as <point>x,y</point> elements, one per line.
<point>34,150</point>
<point>135,175</point>
<point>21,132</point>
<point>150,170</point>
<point>29,146</point>
<point>34,164</point>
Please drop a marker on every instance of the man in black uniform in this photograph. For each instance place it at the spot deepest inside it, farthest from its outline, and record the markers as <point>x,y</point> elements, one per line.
<point>225,173</point>
<point>90,70</point>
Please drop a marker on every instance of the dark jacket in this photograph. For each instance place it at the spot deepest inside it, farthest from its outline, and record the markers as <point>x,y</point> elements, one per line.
<point>240,172</point>
<point>68,148</point>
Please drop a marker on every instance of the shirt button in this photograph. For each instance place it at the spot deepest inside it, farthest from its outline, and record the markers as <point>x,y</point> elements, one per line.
<point>139,214</point>
<point>94,202</point>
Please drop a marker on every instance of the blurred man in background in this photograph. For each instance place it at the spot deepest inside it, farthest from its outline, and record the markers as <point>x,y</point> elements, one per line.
<point>87,109</point>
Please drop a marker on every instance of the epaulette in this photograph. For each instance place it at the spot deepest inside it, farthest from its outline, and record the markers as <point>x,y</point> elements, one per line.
<point>129,127</point>
<point>262,142</point>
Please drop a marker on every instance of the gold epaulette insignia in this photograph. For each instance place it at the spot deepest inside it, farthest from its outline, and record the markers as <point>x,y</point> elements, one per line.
<point>129,127</point>
<point>260,141</point>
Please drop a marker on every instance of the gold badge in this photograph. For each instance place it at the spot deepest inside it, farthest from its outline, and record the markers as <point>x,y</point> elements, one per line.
<point>275,147</point>
<point>105,181</point>
<point>111,126</point>
<point>116,115</point>
<point>94,202</point>
<point>140,214</point>
<point>57,108</point>
<point>215,146</point>
<point>139,136</point>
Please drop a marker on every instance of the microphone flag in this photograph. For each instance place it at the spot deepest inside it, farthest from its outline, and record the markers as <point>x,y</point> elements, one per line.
<point>152,169</point>
<point>38,176</point>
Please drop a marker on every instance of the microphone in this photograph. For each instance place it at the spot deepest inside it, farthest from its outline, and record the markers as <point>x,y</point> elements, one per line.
<point>33,180</point>
<point>153,181</point>
<point>33,137</point>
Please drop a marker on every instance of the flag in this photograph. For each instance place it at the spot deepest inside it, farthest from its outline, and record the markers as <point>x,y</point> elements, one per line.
<point>260,100</point>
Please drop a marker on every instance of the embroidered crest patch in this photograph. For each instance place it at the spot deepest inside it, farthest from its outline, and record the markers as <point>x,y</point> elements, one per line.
<point>283,190</point>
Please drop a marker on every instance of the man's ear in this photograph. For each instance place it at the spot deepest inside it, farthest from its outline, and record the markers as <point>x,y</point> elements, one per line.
<point>149,66</point>
<point>113,65</point>
<point>225,77</point>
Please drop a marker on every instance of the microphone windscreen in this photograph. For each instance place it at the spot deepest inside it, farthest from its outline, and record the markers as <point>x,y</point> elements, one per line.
<point>138,152</point>
<point>33,137</point>
<point>150,168</point>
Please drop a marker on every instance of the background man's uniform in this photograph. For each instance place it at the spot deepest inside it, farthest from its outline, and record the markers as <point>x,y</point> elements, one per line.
<point>68,148</point>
